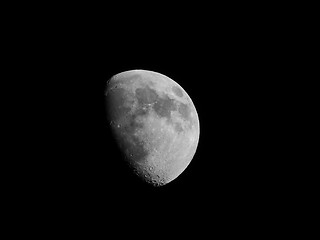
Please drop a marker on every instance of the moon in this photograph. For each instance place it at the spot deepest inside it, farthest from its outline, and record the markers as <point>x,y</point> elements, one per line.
<point>154,123</point>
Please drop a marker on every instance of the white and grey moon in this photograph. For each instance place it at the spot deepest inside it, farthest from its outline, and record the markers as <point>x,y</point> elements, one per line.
<point>154,122</point>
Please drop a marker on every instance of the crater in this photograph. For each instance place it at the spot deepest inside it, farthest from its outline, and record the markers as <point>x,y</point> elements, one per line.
<point>177,91</point>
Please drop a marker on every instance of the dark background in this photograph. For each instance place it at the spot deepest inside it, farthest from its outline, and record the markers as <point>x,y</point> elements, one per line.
<point>232,65</point>
<point>229,80</point>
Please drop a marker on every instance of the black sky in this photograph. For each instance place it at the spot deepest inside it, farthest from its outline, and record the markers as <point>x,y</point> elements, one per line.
<point>228,81</point>
<point>230,71</point>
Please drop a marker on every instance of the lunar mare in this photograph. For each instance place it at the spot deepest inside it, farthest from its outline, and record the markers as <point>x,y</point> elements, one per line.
<point>154,122</point>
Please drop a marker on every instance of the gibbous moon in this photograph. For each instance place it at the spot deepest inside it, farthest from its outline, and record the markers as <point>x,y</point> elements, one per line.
<point>154,123</point>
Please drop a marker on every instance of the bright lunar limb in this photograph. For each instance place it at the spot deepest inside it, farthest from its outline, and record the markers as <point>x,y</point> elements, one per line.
<point>154,122</point>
